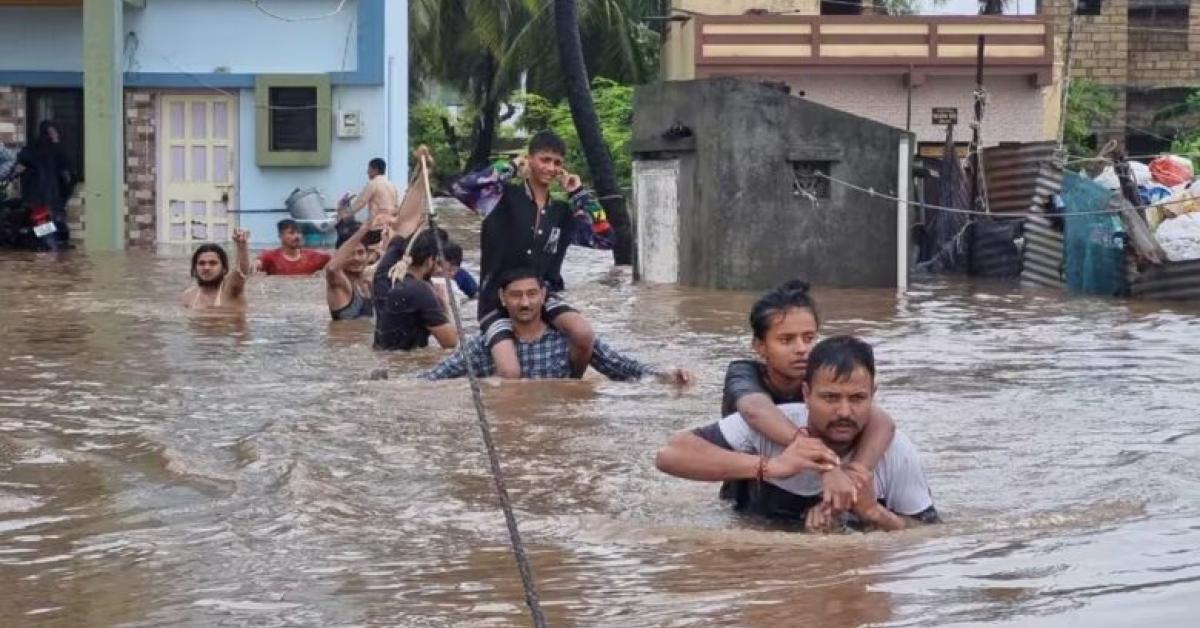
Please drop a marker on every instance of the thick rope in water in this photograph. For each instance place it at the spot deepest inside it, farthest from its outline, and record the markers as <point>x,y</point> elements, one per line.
<point>485,428</point>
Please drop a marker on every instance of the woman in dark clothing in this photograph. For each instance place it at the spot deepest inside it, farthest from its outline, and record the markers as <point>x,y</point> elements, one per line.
<point>47,178</point>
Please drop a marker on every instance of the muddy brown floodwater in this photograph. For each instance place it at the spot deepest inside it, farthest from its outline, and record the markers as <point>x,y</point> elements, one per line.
<point>158,469</point>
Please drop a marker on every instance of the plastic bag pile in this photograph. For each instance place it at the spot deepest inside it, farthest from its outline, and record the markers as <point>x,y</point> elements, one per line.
<point>1170,195</point>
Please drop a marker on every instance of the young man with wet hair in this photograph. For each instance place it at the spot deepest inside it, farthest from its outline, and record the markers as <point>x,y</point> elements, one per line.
<point>379,196</point>
<point>411,310</point>
<point>525,227</point>
<point>291,258</point>
<point>217,288</point>
<point>839,390</point>
<point>542,350</point>
<point>452,268</point>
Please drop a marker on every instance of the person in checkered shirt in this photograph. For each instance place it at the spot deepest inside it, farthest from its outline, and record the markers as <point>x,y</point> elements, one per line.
<point>542,350</point>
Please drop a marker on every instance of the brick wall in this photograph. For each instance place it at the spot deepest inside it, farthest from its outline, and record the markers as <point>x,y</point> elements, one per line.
<point>1101,50</point>
<point>1164,59</point>
<point>1109,53</point>
<point>140,167</point>
<point>12,116</point>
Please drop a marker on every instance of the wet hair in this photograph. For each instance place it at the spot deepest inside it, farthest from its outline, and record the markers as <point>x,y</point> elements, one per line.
<point>426,245</point>
<point>843,354</point>
<point>517,274</point>
<point>209,247</point>
<point>287,223</point>
<point>378,165</point>
<point>547,141</point>
<point>372,238</point>
<point>772,305</point>
<point>454,253</point>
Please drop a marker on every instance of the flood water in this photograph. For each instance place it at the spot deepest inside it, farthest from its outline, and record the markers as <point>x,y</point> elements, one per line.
<point>160,469</point>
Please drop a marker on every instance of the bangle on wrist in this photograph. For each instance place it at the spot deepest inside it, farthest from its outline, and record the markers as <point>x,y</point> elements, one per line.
<point>762,467</point>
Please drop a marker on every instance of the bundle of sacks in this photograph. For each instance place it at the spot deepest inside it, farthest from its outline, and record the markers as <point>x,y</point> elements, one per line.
<point>1170,195</point>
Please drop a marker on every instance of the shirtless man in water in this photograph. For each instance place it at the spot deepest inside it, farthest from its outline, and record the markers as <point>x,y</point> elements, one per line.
<point>216,287</point>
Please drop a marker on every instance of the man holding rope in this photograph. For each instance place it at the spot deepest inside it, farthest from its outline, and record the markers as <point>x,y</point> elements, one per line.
<point>412,309</point>
<point>523,227</point>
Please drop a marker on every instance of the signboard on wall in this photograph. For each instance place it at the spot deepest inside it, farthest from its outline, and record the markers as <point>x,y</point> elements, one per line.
<point>943,116</point>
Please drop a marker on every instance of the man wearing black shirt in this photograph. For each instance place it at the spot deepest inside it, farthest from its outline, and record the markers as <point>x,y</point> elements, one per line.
<point>524,227</point>
<point>409,311</point>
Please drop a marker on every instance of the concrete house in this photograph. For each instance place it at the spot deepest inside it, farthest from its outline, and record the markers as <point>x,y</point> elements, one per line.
<point>872,65</point>
<point>219,108</point>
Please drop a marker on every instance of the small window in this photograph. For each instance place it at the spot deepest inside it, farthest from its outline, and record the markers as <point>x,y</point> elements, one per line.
<point>63,107</point>
<point>809,179</point>
<point>1157,29</point>
<point>293,117</point>
<point>293,120</point>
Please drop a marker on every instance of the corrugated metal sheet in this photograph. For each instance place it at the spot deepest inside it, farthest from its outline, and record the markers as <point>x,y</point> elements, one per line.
<point>1171,281</point>
<point>1043,255</point>
<point>994,251</point>
<point>1021,177</point>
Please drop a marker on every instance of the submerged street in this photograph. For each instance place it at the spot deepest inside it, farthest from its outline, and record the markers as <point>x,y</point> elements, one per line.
<point>161,469</point>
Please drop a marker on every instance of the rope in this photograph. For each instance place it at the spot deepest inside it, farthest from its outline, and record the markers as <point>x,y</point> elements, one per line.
<point>970,212</point>
<point>485,429</point>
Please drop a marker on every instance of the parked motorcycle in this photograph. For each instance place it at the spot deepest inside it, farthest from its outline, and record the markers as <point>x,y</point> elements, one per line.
<point>23,227</point>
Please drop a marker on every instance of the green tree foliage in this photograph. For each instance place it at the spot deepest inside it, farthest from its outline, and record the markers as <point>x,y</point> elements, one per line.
<point>1184,117</point>
<point>427,125</point>
<point>481,49</point>
<point>614,107</point>
<point>1088,105</point>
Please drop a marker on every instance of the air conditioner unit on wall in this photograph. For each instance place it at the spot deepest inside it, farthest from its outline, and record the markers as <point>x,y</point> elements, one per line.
<point>347,123</point>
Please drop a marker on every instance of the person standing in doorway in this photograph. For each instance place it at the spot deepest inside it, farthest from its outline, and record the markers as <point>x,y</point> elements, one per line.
<point>48,179</point>
<point>291,258</point>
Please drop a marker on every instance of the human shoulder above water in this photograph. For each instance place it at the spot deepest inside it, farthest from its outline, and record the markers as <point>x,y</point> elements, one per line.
<point>411,308</point>
<point>543,352</point>
<point>218,287</point>
<point>839,389</point>
<point>291,258</point>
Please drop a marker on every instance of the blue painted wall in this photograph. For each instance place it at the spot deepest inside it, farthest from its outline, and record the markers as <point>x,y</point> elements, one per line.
<point>266,188</point>
<point>191,36</point>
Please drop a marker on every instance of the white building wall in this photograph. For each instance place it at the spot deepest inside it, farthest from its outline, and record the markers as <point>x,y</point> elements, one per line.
<point>195,36</point>
<point>1014,112</point>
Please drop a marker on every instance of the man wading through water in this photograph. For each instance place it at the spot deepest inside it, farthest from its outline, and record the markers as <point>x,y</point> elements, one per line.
<point>542,349</point>
<point>839,390</point>
<point>216,287</point>
<point>523,227</point>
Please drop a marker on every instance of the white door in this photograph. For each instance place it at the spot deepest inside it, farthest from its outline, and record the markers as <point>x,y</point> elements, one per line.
<point>198,169</point>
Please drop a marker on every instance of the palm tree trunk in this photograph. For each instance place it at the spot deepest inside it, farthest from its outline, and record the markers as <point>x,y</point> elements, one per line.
<point>485,125</point>
<point>587,125</point>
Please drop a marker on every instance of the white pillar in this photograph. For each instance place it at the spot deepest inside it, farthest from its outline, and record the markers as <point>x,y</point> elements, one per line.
<point>903,183</point>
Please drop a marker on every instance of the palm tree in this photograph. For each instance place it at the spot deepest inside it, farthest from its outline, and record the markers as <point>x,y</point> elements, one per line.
<point>479,49</point>
<point>587,125</point>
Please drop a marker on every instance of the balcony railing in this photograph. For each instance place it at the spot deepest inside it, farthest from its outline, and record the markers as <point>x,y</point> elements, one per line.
<point>919,45</point>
